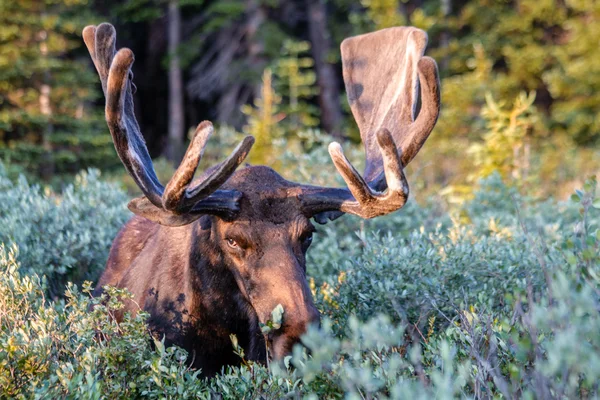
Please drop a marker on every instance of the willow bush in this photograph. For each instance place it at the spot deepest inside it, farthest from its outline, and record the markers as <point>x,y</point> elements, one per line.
<point>61,236</point>
<point>497,297</point>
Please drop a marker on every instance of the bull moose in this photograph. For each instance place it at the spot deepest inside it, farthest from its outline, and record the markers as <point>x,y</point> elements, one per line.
<point>212,257</point>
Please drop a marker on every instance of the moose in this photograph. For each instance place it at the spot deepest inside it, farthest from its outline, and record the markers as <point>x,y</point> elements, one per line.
<point>213,256</point>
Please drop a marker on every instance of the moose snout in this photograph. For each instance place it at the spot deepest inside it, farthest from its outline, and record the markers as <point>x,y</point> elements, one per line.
<point>293,327</point>
<point>283,282</point>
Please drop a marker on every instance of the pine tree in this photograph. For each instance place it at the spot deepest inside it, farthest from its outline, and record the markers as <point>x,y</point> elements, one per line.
<point>540,45</point>
<point>505,146</point>
<point>263,122</point>
<point>296,82</point>
<point>47,125</point>
<point>574,79</point>
<point>504,48</point>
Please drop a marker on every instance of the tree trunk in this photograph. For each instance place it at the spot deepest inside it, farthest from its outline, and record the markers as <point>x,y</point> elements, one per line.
<point>238,92</point>
<point>176,108</point>
<point>47,161</point>
<point>329,94</point>
<point>445,37</point>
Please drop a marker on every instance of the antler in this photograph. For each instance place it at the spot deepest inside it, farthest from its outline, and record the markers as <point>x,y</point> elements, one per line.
<point>181,202</point>
<point>382,71</point>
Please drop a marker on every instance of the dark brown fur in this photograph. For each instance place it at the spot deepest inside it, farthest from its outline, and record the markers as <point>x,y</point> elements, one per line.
<point>198,290</point>
<point>232,246</point>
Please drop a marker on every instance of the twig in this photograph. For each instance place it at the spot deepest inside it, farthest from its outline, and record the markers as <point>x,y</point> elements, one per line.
<point>536,251</point>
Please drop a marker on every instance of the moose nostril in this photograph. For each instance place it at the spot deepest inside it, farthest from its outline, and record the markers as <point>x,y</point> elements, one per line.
<point>281,345</point>
<point>283,341</point>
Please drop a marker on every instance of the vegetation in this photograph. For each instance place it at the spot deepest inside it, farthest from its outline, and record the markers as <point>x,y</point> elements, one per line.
<point>47,126</point>
<point>486,285</point>
<point>491,54</point>
<point>497,297</point>
<point>507,49</point>
<point>63,237</point>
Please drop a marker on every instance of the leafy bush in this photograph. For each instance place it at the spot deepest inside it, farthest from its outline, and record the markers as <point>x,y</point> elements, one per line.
<point>64,237</point>
<point>53,350</point>
<point>499,297</point>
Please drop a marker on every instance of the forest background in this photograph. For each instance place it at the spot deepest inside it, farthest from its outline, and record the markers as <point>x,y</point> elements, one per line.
<point>520,84</point>
<point>486,286</point>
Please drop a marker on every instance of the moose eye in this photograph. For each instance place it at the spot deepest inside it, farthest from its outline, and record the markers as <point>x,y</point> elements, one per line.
<point>232,243</point>
<point>307,240</point>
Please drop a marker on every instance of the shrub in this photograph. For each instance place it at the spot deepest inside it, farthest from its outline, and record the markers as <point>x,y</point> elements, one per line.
<point>64,237</point>
<point>499,297</point>
<point>61,349</point>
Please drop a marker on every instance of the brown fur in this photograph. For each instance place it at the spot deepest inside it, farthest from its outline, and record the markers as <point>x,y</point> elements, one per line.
<point>232,246</point>
<point>198,290</point>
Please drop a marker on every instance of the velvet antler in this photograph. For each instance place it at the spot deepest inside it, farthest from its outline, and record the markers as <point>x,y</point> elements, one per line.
<point>182,201</point>
<point>382,72</point>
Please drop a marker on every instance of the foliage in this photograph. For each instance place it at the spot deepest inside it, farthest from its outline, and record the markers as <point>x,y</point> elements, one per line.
<point>505,147</point>
<point>66,236</point>
<point>492,48</point>
<point>505,48</point>
<point>295,80</point>
<point>53,350</point>
<point>263,122</point>
<point>46,124</point>
<point>527,48</point>
<point>384,13</point>
<point>497,297</point>
<point>573,81</point>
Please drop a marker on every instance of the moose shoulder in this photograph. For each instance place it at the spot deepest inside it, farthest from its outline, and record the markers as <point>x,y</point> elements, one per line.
<point>212,257</point>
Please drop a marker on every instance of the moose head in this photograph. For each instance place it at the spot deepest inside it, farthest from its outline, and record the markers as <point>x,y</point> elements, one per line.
<point>212,257</point>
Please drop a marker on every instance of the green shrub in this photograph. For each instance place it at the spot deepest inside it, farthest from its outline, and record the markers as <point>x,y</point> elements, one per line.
<point>498,297</point>
<point>64,237</point>
<point>62,349</point>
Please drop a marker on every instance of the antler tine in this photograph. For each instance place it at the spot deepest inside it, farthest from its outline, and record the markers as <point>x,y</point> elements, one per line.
<point>178,184</point>
<point>430,109</point>
<point>357,185</point>
<point>220,174</point>
<point>178,204</point>
<point>382,73</point>
<point>371,203</point>
<point>179,197</point>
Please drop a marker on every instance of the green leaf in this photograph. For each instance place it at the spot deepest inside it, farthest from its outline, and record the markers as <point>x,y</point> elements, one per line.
<point>264,328</point>
<point>160,345</point>
<point>234,340</point>
<point>571,258</point>
<point>277,316</point>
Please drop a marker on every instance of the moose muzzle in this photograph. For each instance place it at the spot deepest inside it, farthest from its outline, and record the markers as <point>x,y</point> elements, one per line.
<point>283,340</point>
<point>283,282</point>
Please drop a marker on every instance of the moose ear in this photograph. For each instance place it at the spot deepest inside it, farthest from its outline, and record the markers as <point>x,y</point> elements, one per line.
<point>326,216</point>
<point>144,208</point>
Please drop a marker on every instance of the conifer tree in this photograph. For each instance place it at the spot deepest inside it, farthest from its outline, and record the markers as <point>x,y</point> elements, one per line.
<point>263,122</point>
<point>536,45</point>
<point>296,82</point>
<point>47,126</point>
